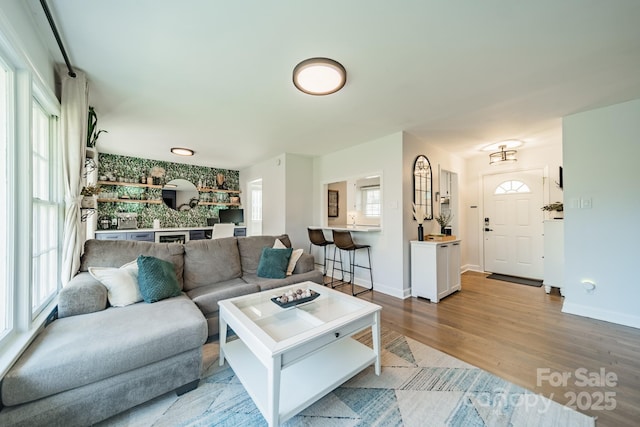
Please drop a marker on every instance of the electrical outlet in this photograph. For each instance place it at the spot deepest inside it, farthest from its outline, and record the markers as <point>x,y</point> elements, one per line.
<point>585,203</point>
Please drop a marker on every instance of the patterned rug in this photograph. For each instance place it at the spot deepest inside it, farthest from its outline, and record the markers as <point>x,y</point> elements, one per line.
<point>418,386</point>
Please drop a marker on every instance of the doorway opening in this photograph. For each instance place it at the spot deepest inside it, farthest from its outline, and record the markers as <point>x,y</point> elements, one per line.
<point>255,218</point>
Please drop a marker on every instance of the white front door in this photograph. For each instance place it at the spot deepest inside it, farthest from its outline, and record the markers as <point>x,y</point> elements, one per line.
<point>513,227</point>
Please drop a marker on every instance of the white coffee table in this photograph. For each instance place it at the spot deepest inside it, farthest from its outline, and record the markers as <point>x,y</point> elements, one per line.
<point>289,358</point>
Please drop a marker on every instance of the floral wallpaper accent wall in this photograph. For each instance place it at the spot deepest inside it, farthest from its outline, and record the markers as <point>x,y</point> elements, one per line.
<point>134,170</point>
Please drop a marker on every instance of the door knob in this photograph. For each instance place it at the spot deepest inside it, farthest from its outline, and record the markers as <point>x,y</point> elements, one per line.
<point>488,229</point>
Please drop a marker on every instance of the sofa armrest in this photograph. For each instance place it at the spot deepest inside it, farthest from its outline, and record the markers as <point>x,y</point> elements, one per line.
<point>305,263</point>
<point>83,294</point>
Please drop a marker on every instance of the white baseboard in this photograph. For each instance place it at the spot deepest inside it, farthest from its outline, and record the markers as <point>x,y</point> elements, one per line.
<point>471,267</point>
<point>599,314</point>
<point>378,287</point>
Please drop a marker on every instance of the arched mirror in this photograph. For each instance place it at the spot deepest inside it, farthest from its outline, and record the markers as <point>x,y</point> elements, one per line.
<point>422,185</point>
<point>180,194</point>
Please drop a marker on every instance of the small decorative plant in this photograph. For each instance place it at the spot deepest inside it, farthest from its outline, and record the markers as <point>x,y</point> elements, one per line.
<point>90,190</point>
<point>444,219</point>
<point>92,129</point>
<point>556,206</point>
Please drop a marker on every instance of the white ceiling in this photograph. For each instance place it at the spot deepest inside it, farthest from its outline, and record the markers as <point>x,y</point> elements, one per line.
<point>215,76</point>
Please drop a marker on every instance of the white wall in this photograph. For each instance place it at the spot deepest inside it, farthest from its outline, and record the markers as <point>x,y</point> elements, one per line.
<point>601,152</point>
<point>19,30</point>
<point>412,147</point>
<point>381,156</point>
<point>287,199</point>
<point>548,158</point>
<point>299,198</point>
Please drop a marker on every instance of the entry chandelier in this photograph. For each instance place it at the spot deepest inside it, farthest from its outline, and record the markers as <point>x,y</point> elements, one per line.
<point>319,76</point>
<point>503,156</point>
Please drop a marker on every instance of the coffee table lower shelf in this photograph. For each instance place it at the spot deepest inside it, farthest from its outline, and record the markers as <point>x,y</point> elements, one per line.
<point>303,382</point>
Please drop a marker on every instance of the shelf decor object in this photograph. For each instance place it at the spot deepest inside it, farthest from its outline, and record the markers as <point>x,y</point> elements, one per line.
<point>295,297</point>
<point>420,215</point>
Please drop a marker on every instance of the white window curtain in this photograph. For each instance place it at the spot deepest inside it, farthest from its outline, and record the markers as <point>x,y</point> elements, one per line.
<point>73,131</point>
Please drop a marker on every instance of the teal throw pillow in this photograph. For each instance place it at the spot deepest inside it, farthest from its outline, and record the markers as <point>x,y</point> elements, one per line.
<point>273,263</point>
<point>157,279</point>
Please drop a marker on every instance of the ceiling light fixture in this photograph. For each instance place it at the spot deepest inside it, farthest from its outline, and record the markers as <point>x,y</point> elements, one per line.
<point>319,76</point>
<point>503,156</point>
<point>182,151</point>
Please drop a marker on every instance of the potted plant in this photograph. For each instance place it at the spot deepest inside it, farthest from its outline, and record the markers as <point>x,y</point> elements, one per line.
<point>90,196</point>
<point>557,207</point>
<point>92,129</point>
<point>444,219</point>
<point>157,173</point>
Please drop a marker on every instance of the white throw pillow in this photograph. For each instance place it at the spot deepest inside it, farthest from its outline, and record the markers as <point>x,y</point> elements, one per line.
<point>121,283</point>
<point>295,256</point>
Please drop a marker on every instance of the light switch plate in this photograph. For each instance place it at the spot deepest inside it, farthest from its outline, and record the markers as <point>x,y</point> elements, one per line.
<point>585,203</point>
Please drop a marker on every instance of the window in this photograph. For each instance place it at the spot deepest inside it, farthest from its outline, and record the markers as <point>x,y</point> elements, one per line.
<point>45,272</point>
<point>31,207</point>
<point>371,202</point>
<point>4,188</point>
<point>510,187</point>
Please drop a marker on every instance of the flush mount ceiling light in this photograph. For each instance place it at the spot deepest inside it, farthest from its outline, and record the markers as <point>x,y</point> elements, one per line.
<point>503,156</point>
<point>319,76</point>
<point>182,151</point>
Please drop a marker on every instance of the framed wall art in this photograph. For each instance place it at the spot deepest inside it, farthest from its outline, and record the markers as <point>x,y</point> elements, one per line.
<point>332,203</point>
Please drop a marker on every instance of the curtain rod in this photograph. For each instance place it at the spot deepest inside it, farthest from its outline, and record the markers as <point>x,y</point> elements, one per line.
<point>47,12</point>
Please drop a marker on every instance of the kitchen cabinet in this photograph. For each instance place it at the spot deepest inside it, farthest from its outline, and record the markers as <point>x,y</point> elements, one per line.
<point>435,269</point>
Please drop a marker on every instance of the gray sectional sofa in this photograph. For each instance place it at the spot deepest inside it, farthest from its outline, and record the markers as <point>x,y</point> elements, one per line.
<point>95,361</point>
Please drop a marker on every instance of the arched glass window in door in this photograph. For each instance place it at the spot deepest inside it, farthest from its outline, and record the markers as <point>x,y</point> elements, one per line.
<point>422,187</point>
<point>512,187</point>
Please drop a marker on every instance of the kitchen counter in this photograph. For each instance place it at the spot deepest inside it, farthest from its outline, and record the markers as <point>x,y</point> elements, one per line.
<point>360,228</point>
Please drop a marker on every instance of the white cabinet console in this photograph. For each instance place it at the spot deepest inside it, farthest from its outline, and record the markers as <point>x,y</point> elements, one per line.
<point>553,254</point>
<point>435,269</point>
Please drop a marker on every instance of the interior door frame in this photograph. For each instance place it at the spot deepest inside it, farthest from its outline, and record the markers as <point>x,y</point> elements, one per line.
<point>481,177</point>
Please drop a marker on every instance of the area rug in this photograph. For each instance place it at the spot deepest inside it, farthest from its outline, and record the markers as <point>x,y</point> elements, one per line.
<point>515,279</point>
<point>418,386</point>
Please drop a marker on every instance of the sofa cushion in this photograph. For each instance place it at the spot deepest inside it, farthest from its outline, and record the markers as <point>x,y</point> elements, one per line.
<point>250,249</point>
<point>121,283</point>
<point>80,350</point>
<point>83,294</point>
<point>274,262</point>
<point>210,261</point>
<point>114,253</point>
<point>207,297</point>
<point>157,279</point>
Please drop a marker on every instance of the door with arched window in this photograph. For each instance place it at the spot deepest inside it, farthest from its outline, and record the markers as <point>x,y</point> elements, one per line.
<point>513,228</point>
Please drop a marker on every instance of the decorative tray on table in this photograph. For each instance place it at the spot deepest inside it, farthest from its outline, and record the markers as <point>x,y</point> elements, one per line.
<point>295,297</point>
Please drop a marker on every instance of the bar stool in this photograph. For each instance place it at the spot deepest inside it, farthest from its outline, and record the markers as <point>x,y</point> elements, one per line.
<point>316,237</point>
<point>343,241</point>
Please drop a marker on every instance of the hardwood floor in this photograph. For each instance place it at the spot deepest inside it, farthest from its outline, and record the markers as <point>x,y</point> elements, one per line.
<point>514,330</point>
